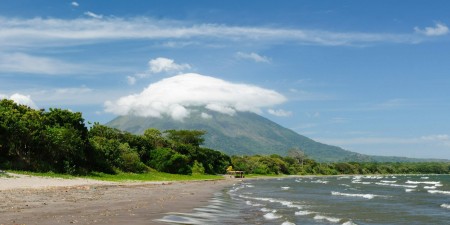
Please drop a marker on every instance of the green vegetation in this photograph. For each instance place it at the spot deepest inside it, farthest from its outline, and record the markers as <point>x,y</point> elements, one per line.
<point>297,163</point>
<point>122,177</point>
<point>59,141</point>
<point>246,133</point>
<point>56,142</point>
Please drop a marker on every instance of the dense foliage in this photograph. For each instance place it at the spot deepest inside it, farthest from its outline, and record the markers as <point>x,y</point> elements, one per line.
<point>275,164</point>
<point>59,141</point>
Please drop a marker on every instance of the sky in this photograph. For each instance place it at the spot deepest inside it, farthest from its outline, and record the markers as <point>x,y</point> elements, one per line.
<point>372,77</point>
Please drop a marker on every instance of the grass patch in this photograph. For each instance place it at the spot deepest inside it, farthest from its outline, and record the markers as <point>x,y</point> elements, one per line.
<point>150,176</point>
<point>122,177</point>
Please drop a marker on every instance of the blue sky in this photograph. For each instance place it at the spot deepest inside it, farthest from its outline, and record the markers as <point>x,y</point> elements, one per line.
<point>369,76</point>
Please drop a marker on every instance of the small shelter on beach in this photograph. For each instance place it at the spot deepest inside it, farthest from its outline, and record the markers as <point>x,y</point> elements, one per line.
<point>234,173</point>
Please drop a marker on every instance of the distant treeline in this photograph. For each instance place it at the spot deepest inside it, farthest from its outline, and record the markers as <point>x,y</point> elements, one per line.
<point>58,140</point>
<point>296,163</point>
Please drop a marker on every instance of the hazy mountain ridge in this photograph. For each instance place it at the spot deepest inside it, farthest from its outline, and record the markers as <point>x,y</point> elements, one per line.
<point>247,133</point>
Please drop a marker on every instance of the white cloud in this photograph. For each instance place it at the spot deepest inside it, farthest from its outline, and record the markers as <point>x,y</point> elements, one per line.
<point>205,115</point>
<point>443,139</point>
<point>41,32</point>
<point>438,30</point>
<point>72,91</point>
<point>279,112</point>
<point>24,63</point>
<point>161,64</point>
<point>173,96</point>
<point>75,4</point>
<point>131,80</point>
<point>93,15</point>
<point>252,56</point>
<point>23,100</point>
<point>440,139</point>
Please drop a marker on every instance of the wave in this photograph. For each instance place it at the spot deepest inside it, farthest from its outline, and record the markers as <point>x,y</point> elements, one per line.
<point>409,190</point>
<point>439,192</point>
<point>396,185</point>
<point>287,223</point>
<point>271,200</point>
<point>271,216</point>
<point>252,204</point>
<point>446,206</point>
<point>319,181</point>
<point>388,181</point>
<point>423,182</point>
<point>329,219</point>
<point>424,178</point>
<point>430,187</point>
<point>349,223</point>
<point>367,196</point>
<point>303,213</point>
<point>285,188</point>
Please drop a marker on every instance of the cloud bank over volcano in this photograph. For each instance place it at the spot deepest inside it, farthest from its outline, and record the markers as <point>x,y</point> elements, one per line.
<point>175,95</point>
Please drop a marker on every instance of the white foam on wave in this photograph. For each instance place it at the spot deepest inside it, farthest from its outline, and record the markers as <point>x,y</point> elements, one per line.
<point>271,216</point>
<point>396,185</point>
<point>367,196</point>
<point>303,213</point>
<point>319,181</point>
<point>439,192</point>
<point>430,187</point>
<point>349,223</point>
<point>445,206</point>
<point>285,188</point>
<point>409,190</point>
<point>287,223</point>
<point>271,200</point>
<point>252,204</point>
<point>328,218</point>
<point>346,185</point>
<point>374,177</point>
<point>265,210</point>
<point>424,178</point>
<point>423,182</point>
<point>388,181</point>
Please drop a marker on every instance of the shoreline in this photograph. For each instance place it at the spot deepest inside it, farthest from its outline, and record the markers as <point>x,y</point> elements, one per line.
<point>103,202</point>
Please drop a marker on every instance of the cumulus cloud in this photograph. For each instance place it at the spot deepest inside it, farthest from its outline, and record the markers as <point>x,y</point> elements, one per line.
<point>75,4</point>
<point>438,30</point>
<point>159,65</point>
<point>93,15</point>
<point>279,112</point>
<point>175,95</point>
<point>23,100</point>
<point>252,56</point>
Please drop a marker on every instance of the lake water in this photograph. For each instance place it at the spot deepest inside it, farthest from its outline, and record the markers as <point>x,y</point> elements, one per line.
<point>423,199</point>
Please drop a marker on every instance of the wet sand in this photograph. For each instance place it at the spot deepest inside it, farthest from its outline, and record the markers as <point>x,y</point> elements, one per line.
<point>101,202</point>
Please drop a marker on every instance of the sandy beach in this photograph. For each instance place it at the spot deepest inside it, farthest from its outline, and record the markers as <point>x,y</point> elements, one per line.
<point>38,200</point>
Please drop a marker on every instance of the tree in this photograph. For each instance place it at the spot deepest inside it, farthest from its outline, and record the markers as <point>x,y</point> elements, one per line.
<point>297,154</point>
<point>190,137</point>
